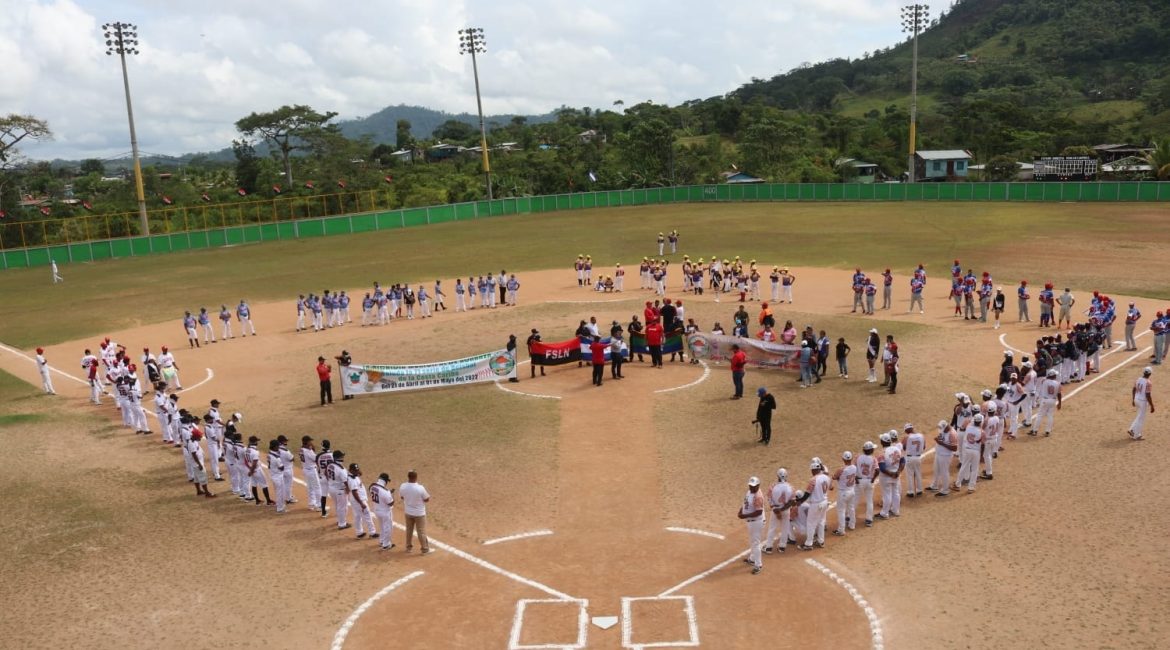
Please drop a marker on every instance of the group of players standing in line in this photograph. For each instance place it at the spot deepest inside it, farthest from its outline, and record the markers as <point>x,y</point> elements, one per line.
<point>203,319</point>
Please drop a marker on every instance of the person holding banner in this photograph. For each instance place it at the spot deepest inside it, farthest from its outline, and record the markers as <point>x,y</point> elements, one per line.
<point>616,351</point>
<point>738,362</point>
<point>533,339</point>
<point>511,348</point>
<point>597,356</point>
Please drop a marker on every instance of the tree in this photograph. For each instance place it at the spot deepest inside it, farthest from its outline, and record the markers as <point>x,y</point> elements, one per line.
<point>454,131</point>
<point>1159,159</point>
<point>93,166</point>
<point>402,137</point>
<point>1001,168</point>
<point>247,165</point>
<point>286,128</point>
<point>14,128</point>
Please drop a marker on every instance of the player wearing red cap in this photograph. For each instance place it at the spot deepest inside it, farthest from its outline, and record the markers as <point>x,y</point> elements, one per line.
<point>43,366</point>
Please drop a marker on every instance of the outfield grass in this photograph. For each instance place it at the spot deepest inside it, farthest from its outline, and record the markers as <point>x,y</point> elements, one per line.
<point>111,295</point>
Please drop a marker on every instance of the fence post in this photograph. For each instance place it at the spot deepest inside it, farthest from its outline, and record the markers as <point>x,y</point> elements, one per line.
<point>428,213</point>
<point>350,219</point>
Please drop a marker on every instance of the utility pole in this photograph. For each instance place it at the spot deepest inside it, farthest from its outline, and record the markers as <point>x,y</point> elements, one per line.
<point>914,20</point>
<point>122,39</point>
<point>471,42</point>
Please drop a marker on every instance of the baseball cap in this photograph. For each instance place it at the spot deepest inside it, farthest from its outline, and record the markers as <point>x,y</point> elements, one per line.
<point>196,434</point>
<point>40,350</point>
<point>282,438</point>
<point>320,358</point>
<point>907,426</point>
<point>978,417</point>
<point>753,481</point>
<point>1008,353</point>
<point>847,456</point>
<point>992,407</point>
<point>215,402</point>
<point>384,476</point>
<point>873,330</point>
<point>782,474</point>
<point>885,438</point>
<point>306,438</point>
<point>868,446</point>
<point>761,391</point>
<point>1147,370</point>
<point>942,425</point>
<point>1052,373</point>
<point>238,416</point>
<point>1027,364</point>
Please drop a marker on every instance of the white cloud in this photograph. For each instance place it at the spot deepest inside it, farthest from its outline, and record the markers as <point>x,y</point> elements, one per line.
<point>205,65</point>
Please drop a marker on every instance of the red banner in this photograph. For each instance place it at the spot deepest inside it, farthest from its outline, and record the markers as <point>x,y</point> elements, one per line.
<point>554,354</point>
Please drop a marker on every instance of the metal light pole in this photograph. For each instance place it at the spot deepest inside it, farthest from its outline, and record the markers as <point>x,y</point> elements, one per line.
<point>914,20</point>
<point>471,42</point>
<point>122,39</point>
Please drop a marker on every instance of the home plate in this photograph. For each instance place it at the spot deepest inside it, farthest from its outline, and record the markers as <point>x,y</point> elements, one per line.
<point>605,622</point>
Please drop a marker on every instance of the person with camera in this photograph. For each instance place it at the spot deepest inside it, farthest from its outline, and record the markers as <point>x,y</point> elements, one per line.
<point>764,414</point>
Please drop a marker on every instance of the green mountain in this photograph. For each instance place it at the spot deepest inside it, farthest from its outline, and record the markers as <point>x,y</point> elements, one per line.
<point>1006,77</point>
<point>380,127</point>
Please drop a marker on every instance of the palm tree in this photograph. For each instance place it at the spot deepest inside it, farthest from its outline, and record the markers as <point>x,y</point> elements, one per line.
<point>1159,159</point>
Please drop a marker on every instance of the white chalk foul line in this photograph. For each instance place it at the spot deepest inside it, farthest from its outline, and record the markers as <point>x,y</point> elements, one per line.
<point>33,360</point>
<point>694,531</point>
<point>209,377</point>
<point>875,626</point>
<point>343,631</point>
<point>706,374</point>
<point>1105,374</point>
<point>1004,343</point>
<point>509,538</point>
<point>500,385</point>
<point>700,576</point>
<point>483,563</point>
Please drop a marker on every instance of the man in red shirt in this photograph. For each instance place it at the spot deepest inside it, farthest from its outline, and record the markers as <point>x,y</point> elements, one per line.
<point>597,352</point>
<point>654,336</point>
<point>649,313</point>
<point>323,373</point>
<point>738,362</point>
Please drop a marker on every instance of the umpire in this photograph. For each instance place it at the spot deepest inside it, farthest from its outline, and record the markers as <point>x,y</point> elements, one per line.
<point>764,414</point>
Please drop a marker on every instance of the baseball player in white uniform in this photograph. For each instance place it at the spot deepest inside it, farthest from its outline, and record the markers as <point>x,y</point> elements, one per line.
<point>866,473</point>
<point>276,473</point>
<point>915,447</point>
<point>972,441</point>
<point>134,404</point>
<point>945,446</point>
<point>1050,402</point>
<point>992,429</point>
<point>195,451</point>
<point>324,460</point>
<point>818,506</point>
<point>232,458</point>
<point>890,466</point>
<point>254,473</point>
<point>43,367</point>
<point>91,366</point>
<point>1143,399</point>
<point>286,460</point>
<point>362,517</point>
<point>215,441</point>
<point>383,497</point>
<point>338,484</point>
<point>170,368</point>
<point>308,456</point>
<point>752,513</point>
<point>780,500</point>
<point>846,485</point>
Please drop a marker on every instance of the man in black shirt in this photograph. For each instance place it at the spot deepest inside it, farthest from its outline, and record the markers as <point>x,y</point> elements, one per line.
<point>344,360</point>
<point>764,414</point>
<point>635,327</point>
<point>512,353</point>
<point>534,337</point>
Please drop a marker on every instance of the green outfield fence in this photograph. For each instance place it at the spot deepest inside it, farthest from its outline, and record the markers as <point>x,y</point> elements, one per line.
<point>257,226</point>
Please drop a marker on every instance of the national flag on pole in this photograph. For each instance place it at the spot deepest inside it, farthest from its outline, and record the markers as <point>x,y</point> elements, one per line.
<point>341,184</point>
<point>242,192</point>
<point>592,176</point>
<point>389,179</point>
<point>276,189</point>
<point>167,200</point>
<point>309,185</point>
<point>205,197</point>
<point>87,205</point>
<point>46,211</point>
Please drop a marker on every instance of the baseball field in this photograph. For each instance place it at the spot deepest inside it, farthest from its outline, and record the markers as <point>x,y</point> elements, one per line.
<point>566,515</point>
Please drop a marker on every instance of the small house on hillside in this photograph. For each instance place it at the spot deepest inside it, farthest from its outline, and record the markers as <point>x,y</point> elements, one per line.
<point>857,171</point>
<point>941,165</point>
<point>740,178</point>
<point>1108,153</point>
<point>443,151</point>
<point>590,135</point>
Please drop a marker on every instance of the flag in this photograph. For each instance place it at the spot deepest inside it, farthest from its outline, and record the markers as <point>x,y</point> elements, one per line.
<point>308,185</point>
<point>276,189</point>
<point>3,214</point>
<point>341,184</point>
<point>592,176</point>
<point>242,192</point>
<point>46,211</point>
<point>205,197</point>
<point>389,179</point>
<point>87,205</point>
<point>167,200</point>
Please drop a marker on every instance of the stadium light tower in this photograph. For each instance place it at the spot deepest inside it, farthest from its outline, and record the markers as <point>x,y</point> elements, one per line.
<point>471,42</point>
<point>914,20</point>
<point>122,39</point>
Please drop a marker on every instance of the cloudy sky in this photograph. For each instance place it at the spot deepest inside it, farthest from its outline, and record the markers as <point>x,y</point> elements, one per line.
<point>205,64</point>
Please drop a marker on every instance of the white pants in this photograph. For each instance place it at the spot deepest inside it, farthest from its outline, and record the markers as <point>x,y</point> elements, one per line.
<point>227,329</point>
<point>234,475</point>
<point>95,391</point>
<point>171,376</point>
<point>989,449</point>
<point>865,490</point>
<point>341,505</point>
<point>213,458</point>
<point>846,509</point>
<point>781,526</point>
<point>914,471</point>
<point>942,472</point>
<point>300,320</point>
<point>425,307</point>
<point>386,526</point>
<point>279,485</point>
<point>1139,422</point>
<point>618,283</point>
<point>660,287</point>
<point>511,297</point>
<point>787,295</point>
<point>343,316</point>
<point>367,316</point>
<point>775,292</point>
<point>968,467</point>
<point>816,522</point>
<point>755,288</point>
<point>1047,411</point>
<point>47,381</point>
<point>363,519</point>
<point>460,303</point>
<point>332,320</point>
<point>313,486</point>
<point>755,537</point>
<point>208,333</point>
<point>1026,407</point>
<point>246,326</point>
<point>890,495</point>
<point>192,335</point>
<point>383,315</point>
<point>188,463</point>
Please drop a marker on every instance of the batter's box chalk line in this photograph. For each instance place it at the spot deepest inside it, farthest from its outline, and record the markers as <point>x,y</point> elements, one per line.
<point>518,624</point>
<point>688,605</point>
